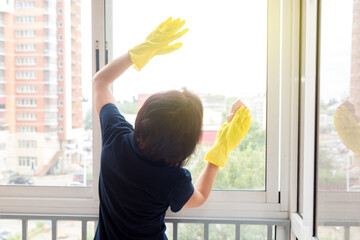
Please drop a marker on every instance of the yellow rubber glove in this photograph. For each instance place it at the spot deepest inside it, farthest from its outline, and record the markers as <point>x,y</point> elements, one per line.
<point>348,129</point>
<point>157,43</point>
<point>228,137</point>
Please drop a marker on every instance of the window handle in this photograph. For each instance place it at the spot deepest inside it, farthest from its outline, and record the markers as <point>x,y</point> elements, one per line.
<point>97,56</point>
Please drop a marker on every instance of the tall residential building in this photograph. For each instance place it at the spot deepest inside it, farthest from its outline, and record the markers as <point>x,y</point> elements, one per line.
<point>355,58</point>
<point>40,85</point>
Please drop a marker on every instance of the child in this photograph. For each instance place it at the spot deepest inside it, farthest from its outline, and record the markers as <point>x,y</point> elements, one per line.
<point>141,169</point>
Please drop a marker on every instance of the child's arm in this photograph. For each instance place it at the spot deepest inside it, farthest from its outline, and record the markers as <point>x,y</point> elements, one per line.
<point>227,138</point>
<point>105,77</point>
<point>157,43</point>
<point>203,186</point>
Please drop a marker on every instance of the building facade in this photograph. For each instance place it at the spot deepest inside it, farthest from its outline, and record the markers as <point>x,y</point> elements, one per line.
<point>40,85</point>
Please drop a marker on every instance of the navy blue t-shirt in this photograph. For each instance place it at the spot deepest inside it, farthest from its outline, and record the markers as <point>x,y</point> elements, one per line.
<point>134,191</point>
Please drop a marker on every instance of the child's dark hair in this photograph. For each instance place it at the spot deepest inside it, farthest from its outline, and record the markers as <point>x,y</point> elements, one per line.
<point>168,126</point>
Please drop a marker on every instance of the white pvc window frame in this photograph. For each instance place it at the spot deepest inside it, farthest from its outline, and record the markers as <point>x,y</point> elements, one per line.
<point>254,204</point>
<point>302,226</point>
<point>281,109</point>
<point>60,199</point>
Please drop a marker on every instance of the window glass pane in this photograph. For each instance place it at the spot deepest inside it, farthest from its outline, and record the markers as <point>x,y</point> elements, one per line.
<point>330,233</point>
<point>45,120</point>
<point>39,229</point>
<point>10,229</point>
<point>90,230</point>
<point>222,231</point>
<point>69,230</point>
<point>219,61</point>
<point>354,233</point>
<point>190,231</point>
<point>169,230</point>
<point>339,117</point>
<point>253,232</point>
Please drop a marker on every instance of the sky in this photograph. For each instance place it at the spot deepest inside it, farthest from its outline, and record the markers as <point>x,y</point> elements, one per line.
<point>223,53</point>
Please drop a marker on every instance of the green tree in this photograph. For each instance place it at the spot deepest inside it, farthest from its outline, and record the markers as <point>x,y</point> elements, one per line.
<point>88,120</point>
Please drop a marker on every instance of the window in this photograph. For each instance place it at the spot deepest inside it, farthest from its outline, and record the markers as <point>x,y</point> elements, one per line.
<point>2,89</point>
<point>216,96</point>
<point>25,19</point>
<point>25,4</point>
<point>62,149</point>
<point>26,61</point>
<point>338,149</point>
<point>27,144</point>
<point>26,116</point>
<point>26,129</point>
<point>25,75</point>
<point>25,33</point>
<point>2,116</point>
<point>26,102</point>
<point>26,89</point>
<point>60,157</point>
<point>27,161</point>
<point>25,47</point>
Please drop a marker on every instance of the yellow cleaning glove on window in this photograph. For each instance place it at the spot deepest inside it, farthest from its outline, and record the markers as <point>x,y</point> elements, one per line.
<point>228,137</point>
<point>157,43</point>
<point>348,129</point>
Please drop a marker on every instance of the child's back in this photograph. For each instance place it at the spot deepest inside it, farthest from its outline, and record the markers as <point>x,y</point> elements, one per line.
<point>135,191</point>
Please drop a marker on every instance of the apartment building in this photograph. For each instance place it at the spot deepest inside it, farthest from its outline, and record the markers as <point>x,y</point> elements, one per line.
<point>40,86</point>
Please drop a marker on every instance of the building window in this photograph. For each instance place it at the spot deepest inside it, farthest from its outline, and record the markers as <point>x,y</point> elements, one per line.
<point>59,11</point>
<point>27,161</point>
<point>59,37</point>
<point>2,116</point>
<point>26,89</point>
<point>60,103</point>
<point>26,103</point>
<point>25,47</point>
<point>26,129</point>
<point>25,19</point>
<point>25,75</point>
<point>25,33</point>
<point>25,4</point>
<point>26,61</point>
<point>27,116</point>
<point>60,51</point>
<point>60,24</point>
<point>2,89</point>
<point>2,146</point>
<point>27,144</point>
<point>60,64</point>
<point>60,77</point>
<point>2,103</point>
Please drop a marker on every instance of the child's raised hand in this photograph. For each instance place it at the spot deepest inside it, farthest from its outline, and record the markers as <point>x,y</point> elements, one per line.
<point>157,43</point>
<point>229,136</point>
<point>234,107</point>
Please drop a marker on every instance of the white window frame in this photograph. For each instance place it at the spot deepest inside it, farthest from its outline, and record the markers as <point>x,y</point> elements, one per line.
<point>59,200</point>
<point>302,226</point>
<point>252,204</point>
